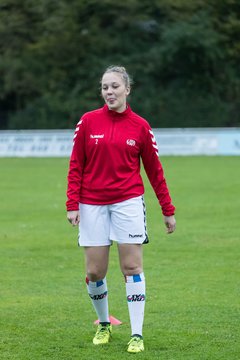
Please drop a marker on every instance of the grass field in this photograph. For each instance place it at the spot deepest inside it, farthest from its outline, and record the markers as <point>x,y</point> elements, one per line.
<point>193,276</point>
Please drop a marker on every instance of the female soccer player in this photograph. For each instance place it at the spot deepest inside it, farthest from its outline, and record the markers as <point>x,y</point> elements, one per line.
<point>105,197</point>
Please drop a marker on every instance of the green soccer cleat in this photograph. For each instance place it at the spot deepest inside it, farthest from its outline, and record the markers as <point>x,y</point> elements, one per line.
<point>135,345</point>
<point>103,334</point>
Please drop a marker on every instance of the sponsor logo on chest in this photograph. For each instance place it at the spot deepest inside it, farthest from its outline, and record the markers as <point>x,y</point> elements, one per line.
<point>97,136</point>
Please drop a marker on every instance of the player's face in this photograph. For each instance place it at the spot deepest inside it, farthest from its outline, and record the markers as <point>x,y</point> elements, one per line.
<point>114,91</point>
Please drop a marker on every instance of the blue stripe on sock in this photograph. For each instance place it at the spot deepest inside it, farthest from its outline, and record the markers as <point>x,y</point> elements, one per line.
<point>99,283</point>
<point>137,278</point>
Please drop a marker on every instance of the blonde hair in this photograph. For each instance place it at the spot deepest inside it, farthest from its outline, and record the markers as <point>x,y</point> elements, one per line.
<point>122,71</point>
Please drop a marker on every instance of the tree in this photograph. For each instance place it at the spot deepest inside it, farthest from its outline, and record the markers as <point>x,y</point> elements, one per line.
<point>183,56</point>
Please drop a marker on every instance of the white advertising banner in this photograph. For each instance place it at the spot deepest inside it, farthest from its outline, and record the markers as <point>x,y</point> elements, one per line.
<point>45,143</point>
<point>221,141</point>
<point>58,143</point>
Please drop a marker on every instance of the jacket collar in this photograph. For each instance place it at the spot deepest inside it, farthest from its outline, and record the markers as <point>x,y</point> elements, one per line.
<point>116,114</point>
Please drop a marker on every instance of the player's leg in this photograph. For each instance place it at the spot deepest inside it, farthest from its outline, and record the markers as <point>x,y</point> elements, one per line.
<point>128,227</point>
<point>130,256</point>
<point>94,237</point>
<point>96,259</point>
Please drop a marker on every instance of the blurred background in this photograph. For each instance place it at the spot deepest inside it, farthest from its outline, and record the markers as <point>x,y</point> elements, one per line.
<point>183,55</point>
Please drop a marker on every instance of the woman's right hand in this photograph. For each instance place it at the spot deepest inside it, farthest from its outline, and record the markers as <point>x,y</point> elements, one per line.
<point>73,217</point>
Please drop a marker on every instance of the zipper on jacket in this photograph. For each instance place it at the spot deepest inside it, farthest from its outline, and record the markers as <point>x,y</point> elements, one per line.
<point>112,130</point>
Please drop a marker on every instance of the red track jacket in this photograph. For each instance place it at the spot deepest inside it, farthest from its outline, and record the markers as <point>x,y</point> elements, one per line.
<point>105,161</point>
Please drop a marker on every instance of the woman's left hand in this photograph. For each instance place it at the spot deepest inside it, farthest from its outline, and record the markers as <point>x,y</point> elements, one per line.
<point>170,223</point>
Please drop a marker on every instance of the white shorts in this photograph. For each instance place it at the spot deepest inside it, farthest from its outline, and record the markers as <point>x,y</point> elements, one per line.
<point>124,222</point>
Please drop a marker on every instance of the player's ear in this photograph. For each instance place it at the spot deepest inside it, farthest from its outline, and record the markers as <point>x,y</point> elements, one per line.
<point>128,90</point>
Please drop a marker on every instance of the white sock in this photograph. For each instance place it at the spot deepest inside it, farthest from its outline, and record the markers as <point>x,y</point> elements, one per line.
<point>135,289</point>
<point>99,295</point>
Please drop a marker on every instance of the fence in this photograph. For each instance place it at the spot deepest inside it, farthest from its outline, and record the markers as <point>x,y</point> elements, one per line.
<point>58,143</point>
